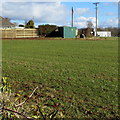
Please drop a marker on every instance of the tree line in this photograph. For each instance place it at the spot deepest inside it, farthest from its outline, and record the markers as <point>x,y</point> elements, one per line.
<point>45,30</point>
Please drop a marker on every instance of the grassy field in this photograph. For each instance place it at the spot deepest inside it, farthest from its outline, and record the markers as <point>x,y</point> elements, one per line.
<point>81,74</point>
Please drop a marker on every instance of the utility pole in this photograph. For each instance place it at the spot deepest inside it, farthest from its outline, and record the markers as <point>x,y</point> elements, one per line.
<point>72,17</point>
<point>96,4</point>
<point>33,18</point>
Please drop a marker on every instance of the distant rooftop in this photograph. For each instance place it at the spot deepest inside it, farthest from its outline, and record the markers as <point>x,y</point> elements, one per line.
<point>5,23</point>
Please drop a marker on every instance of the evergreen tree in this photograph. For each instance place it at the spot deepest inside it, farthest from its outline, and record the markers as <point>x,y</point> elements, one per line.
<point>30,24</point>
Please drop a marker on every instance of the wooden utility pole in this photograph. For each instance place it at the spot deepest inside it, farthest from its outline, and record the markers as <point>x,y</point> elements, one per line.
<point>33,18</point>
<point>72,17</point>
<point>96,4</point>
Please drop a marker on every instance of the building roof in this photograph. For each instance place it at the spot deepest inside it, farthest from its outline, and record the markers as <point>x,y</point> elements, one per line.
<point>4,22</point>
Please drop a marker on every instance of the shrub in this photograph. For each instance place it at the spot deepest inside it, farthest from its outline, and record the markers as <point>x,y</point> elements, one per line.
<point>45,30</point>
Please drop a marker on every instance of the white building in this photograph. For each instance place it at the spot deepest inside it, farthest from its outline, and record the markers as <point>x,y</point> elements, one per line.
<point>104,33</point>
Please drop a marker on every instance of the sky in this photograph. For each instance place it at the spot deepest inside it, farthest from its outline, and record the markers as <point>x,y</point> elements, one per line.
<point>59,13</point>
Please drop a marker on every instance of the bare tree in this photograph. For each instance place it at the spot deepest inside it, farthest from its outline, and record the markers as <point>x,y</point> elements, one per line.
<point>89,24</point>
<point>89,30</point>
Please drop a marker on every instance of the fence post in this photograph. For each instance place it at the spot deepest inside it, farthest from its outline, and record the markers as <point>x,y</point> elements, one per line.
<point>15,33</point>
<point>5,33</point>
<point>24,33</point>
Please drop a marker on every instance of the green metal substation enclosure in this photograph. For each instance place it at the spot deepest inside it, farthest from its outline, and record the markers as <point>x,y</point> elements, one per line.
<point>67,32</point>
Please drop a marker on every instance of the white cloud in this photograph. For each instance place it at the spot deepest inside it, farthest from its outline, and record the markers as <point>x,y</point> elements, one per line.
<point>42,12</point>
<point>110,14</point>
<point>61,0</point>
<point>81,22</point>
<point>112,22</point>
<point>51,13</point>
<point>31,0</point>
<point>81,11</point>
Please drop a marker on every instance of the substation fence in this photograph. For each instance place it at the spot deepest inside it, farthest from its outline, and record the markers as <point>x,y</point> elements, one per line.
<point>19,33</point>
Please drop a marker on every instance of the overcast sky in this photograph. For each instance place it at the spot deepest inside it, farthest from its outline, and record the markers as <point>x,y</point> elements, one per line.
<point>59,13</point>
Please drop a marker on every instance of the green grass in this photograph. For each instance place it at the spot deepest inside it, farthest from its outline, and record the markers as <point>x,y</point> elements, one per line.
<point>83,74</point>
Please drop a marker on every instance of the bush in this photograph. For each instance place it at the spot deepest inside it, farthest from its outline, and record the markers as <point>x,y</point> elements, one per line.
<point>45,30</point>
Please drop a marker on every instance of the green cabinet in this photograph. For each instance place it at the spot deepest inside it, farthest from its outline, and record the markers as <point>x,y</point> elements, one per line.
<point>67,32</point>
